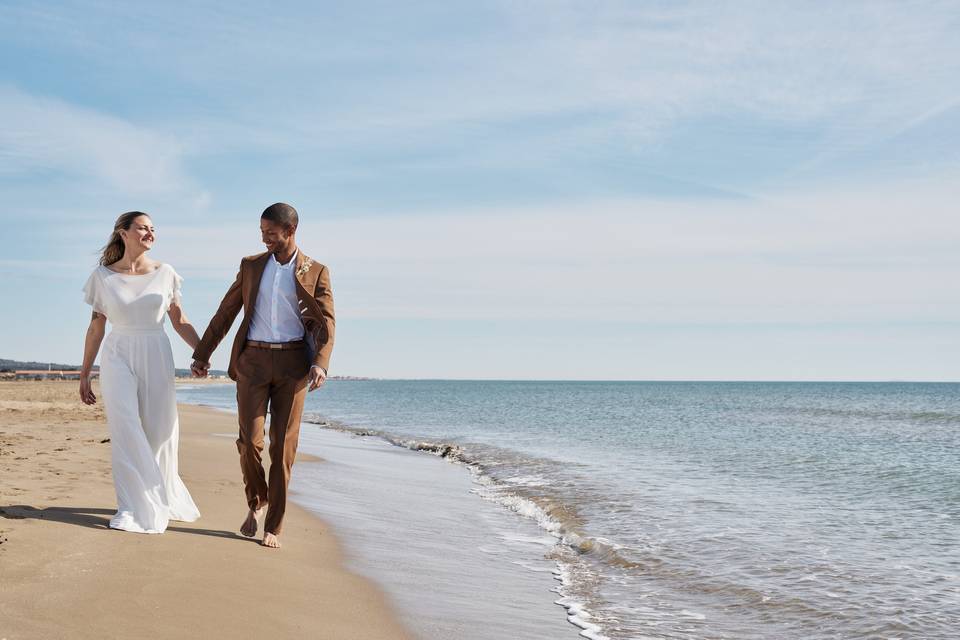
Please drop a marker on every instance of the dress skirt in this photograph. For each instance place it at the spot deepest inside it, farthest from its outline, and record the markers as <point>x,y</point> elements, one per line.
<point>137,381</point>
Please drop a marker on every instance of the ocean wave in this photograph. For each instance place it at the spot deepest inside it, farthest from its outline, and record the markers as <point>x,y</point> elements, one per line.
<point>940,418</point>
<point>515,493</point>
<point>532,488</point>
<point>549,511</point>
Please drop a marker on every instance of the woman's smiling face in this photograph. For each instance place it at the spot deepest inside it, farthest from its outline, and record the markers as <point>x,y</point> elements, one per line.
<point>141,233</point>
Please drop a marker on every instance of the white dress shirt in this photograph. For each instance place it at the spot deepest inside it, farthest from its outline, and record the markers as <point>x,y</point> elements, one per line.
<point>276,313</point>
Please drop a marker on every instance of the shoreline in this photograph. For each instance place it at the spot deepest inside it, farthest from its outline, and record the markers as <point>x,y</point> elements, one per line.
<point>66,573</point>
<point>368,492</point>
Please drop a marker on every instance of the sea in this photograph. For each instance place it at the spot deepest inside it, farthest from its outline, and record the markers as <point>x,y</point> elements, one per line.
<point>642,510</point>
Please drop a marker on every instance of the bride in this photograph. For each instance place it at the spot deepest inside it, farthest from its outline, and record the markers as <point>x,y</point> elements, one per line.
<point>136,375</point>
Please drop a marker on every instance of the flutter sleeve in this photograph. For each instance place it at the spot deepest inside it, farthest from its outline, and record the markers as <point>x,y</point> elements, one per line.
<point>176,285</point>
<point>93,293</point>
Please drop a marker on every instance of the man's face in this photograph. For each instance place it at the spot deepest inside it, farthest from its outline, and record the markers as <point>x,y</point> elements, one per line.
<point>275,236</point>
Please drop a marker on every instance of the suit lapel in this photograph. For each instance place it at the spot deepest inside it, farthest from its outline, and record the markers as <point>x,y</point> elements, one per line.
<point>302,274</point>
<point>305,295</point>
<point>256,275</point>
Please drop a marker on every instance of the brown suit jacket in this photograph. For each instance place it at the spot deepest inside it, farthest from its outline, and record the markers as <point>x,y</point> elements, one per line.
<point>316,308</point>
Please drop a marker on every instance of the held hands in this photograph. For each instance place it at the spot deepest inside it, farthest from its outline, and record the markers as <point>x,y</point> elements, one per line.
<point>199,369</point>
<point>316,378</point>
<point>86,391</point>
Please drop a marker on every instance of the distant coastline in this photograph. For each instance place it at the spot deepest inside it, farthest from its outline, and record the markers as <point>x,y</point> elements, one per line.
<point>33,370</point>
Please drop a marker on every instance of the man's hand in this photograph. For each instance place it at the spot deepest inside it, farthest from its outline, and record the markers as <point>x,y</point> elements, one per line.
<point>317,377</point>
<point>199,369</point>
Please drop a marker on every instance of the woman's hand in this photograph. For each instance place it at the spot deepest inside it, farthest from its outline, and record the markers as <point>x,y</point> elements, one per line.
<point>91,345</point>
<point>86,389</point>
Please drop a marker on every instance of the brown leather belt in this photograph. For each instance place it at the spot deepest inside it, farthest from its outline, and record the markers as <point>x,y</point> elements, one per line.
<point>278,346</point>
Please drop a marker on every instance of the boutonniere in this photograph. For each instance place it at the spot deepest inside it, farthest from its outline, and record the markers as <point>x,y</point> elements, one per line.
<point>304,267</point>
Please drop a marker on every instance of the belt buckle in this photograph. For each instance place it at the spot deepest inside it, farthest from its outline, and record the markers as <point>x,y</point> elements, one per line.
<point>276,345</point>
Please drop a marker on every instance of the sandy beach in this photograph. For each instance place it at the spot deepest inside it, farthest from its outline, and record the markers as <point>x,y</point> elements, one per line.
<point>63,573</point>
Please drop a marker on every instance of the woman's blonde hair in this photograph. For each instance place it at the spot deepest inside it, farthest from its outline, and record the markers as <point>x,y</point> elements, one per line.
<point>113,250</point>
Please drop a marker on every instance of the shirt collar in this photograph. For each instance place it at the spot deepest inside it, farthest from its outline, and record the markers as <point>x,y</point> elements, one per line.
<point>289,264</point>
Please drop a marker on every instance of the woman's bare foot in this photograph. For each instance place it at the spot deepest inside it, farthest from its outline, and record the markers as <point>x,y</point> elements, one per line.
<point>249,526</point>
<point>271,540</point>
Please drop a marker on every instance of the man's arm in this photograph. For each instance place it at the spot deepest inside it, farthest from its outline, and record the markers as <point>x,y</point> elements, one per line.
<point>220,323</point>
<point>323,296</point>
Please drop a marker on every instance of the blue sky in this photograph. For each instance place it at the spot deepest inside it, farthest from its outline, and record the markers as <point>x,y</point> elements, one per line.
<point>603,190</point>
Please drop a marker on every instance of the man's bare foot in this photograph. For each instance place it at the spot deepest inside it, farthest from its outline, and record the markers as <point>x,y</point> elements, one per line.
<point>249,526</point>
<point>271,540</point>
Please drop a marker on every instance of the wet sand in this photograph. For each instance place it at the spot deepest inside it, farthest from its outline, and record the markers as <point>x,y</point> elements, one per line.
<point>63,573</point>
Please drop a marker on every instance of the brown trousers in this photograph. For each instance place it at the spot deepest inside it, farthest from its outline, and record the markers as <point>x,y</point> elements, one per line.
<point>278,380</point>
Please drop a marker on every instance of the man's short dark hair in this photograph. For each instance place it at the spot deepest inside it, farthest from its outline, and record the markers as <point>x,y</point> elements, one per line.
<point>281,213</point>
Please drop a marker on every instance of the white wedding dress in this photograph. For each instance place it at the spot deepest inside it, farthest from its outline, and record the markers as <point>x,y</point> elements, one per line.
<point>136,379</point>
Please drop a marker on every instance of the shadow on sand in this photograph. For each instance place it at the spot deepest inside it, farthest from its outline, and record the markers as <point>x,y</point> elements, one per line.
<point>95,518</point>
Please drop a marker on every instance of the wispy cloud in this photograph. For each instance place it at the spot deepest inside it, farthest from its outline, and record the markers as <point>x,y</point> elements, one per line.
<point>803,258</point>
<point>670,163</point>
<point>534,83</point>
<point>45,134</point>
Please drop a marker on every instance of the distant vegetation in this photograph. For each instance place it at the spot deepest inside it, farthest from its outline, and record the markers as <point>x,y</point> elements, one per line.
<point>18,364</point>
<point>15,365</point>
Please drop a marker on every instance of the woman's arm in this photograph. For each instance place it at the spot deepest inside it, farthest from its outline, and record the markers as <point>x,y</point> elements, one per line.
<point>91,346</point>
<point>221,321</point>
<point>181,324</point>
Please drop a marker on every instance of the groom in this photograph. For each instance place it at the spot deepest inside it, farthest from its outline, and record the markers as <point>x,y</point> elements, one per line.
<point>282,349</point>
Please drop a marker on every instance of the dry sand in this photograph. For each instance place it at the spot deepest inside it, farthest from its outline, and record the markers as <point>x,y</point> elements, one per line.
<point>64,574</point>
